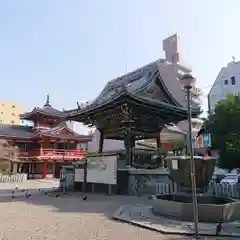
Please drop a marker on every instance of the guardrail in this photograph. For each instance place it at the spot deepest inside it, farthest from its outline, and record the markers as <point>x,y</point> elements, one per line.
<point>18,177</point>
<point>55,153</point>
<point>214,189</point>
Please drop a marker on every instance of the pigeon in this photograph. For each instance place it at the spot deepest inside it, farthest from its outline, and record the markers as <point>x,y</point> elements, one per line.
<point>13,194</point>
<point>28,195</point>
<point>84,198</point>
<point>218,228</point>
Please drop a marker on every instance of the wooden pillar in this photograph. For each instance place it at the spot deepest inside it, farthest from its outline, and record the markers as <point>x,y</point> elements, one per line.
<point>158,140</point>
<point>126,148</point>
<point>64,149</point>
<point>44,169</point>
<point>101,141</point>
<point>41,151</point>
<point>11,167</point>
<point>128,143</point>
<point>161,161</point>
<point>133,141</point>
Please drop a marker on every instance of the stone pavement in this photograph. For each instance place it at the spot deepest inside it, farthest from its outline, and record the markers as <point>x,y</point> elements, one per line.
<point>142,216</point>
<point>28,187</point>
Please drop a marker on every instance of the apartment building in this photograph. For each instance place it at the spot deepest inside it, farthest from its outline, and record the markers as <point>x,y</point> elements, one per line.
<point>10,112</point>
<point>227,82</point>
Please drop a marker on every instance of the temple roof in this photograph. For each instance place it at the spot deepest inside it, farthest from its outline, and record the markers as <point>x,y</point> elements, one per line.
<point>16,131</point>
<point>145,84</point>
<point>28,132</point>
<point>63,131</point>
<point>46,110</point>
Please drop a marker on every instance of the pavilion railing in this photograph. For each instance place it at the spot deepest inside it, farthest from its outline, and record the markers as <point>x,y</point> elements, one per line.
<point>54,153</point>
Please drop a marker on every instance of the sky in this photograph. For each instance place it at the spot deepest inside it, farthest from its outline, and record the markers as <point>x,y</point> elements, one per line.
<point>71,48</point>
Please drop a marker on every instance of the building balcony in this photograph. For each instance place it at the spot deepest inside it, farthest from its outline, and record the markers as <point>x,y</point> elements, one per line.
<point>53,154</point>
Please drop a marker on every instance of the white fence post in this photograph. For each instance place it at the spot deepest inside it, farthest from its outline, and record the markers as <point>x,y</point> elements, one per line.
<point>214,189</point>
<point>18,177</point>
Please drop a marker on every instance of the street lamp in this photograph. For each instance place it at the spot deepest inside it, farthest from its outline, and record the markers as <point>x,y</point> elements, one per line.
<point>188,81</point>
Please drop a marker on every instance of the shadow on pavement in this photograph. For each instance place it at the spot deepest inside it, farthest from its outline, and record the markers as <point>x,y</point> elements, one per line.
<point>74,202</point>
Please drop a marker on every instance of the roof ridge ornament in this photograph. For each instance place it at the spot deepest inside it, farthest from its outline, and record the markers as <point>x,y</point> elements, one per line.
<point>47,104</point>
<point>124,88</point>
<point>78,106</point>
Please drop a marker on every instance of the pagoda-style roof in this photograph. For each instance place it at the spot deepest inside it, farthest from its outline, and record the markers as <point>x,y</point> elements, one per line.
<point>144,84</point>
<point>46,110</point>
<point>62,131</point>
<point>151,103</point>
<point>16,131</point>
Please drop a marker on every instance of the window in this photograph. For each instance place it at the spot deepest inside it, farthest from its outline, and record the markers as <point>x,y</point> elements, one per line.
<point>1,121</point>
<point>13,106</point>
<point>233,80</point>
<point>13,114</point>
<point>226,82</point>
<point>12,122</point>
<point>1,112</point>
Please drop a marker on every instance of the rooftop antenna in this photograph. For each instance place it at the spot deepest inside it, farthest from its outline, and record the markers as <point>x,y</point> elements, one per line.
<point>47,104</point>
<point>233,58</point>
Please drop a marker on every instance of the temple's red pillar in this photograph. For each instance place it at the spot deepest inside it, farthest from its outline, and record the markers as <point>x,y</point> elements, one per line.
<point>44,168</point>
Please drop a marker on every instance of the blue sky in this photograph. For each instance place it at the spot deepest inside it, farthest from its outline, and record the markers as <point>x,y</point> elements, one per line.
<point>71,48</point>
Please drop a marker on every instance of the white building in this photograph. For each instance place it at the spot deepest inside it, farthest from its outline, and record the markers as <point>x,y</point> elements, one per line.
<point>227,82</point>
<point>173,70</point>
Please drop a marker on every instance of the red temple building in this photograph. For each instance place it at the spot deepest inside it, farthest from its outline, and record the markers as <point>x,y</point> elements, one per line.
<point>46,144</point>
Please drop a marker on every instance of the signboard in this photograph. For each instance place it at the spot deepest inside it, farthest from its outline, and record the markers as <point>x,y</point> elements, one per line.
<point>201,141</point>
<point>175,164</point>
<point>79,175</point>
<point>102,169</point>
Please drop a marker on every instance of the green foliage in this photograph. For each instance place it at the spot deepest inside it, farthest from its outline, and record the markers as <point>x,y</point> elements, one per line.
<point>224,126</point>
<point>162,151</point>
<point>178,143</point>
<point>4,167</point>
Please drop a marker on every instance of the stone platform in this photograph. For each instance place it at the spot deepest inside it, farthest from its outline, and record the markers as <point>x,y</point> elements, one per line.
<point>142,216</point>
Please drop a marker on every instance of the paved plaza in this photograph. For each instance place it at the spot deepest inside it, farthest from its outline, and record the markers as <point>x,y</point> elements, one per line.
<point>69,217</point>
<point>32,187</point>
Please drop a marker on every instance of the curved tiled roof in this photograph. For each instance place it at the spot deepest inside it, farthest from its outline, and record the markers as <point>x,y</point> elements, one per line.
<point>54,132</point>
<point>7,130</point>
<point>28,132</point>
<point>48,111</point>
<point>143,83</point>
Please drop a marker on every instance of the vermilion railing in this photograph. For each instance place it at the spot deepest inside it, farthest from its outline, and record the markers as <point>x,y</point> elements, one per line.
<point>54,153</point>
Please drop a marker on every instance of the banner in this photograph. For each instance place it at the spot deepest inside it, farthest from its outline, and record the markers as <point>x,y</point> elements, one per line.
<point>201,141</point>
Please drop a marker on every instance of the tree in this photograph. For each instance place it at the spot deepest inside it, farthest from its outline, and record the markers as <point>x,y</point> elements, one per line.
<point>224,127</point>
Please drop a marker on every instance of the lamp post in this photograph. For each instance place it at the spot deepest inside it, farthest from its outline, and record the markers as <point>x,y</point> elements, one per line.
<point>188,81</point>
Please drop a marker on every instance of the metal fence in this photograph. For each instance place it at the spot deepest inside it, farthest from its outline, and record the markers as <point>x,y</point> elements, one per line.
<point>214,189</point>
<point>18,177</point>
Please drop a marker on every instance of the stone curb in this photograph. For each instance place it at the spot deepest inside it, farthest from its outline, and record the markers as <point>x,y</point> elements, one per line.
<point>116,217</point>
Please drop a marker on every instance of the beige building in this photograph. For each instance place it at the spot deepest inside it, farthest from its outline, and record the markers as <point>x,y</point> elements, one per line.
<point>10,112</point>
